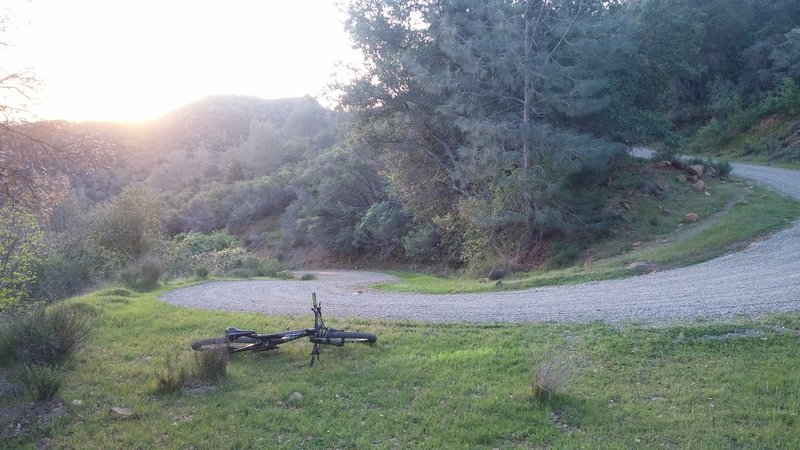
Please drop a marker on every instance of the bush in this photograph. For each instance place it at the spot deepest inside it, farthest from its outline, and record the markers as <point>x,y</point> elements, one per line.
<point>44,336</point>
<point>211,365</point>
<point>143,275</point>
<point>549,377</point>
<point>171,376</point>
<point>201,271</point>
<point>40,382</point>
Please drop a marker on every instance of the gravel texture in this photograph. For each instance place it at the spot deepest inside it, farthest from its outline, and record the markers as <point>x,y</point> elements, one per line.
<point>761,279</point>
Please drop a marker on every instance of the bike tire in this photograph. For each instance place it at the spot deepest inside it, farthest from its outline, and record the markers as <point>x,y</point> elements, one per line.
<point>223,344</point>
<point>342,337</point>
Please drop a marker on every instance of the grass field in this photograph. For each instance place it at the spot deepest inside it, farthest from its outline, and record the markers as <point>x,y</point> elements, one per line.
<point>431,386</point>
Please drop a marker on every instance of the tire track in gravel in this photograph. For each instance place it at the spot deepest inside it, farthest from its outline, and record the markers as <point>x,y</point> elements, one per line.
<point>761,279</point>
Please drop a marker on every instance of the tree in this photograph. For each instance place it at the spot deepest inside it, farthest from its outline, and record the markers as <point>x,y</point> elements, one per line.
<point>20,249</point>
<point>494,92</point>
<point>128,227</point>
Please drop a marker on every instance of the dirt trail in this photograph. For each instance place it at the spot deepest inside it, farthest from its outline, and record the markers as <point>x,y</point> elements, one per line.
<point>761,279</point>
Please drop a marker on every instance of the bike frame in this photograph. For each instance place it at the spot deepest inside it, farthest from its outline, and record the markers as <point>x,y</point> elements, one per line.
<point>271,341</point>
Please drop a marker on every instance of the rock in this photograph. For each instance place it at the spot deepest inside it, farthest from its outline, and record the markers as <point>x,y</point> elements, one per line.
<point>696,169</point>
<point>712,172</point>
<point>663,164</point>
<point>77,402</point>
<point>642,266</point>
<point>651,188</point>
<point>678,164</point>
<point>497,273</point>
<point>625,205</point>
<point>691,217</point>
<point>662,186</point>
<point>680,178</point>
<point>122,412</point>
<point>700,186</point>
<point>742,202</point>
<point>692,179</point>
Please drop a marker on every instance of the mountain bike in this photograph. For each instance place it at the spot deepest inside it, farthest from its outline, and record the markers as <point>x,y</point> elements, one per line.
<point>236,340</point>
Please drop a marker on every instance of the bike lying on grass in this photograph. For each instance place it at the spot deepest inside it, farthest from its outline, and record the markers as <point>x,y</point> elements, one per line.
<point>236,340</point>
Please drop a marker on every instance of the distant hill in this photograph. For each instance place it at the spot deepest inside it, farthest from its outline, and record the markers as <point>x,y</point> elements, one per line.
<point>223,139</point>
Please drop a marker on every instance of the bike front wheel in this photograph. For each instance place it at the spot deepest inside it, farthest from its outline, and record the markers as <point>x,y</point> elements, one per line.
<point>342,337</point>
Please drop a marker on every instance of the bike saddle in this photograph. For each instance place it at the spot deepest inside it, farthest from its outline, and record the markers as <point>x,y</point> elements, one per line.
<point>234,333</point>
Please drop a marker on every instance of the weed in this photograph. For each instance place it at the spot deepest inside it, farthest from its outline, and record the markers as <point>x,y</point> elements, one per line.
<point>308,277</point>
<point>549,377</point>
<point>44,336</point>
<point>40,382</point>
<point>170,376</point>
<point>211,365</point>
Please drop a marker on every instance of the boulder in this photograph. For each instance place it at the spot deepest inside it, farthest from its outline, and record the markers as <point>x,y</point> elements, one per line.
<point>691,217</point>
<point>497,273</point>
<point>678,164</point>
<point>742,202</point>
<point>699,186</point>
<point>680,178</point>
<point>696,169</point>
<point>692,179</point>
<point>642,266</point>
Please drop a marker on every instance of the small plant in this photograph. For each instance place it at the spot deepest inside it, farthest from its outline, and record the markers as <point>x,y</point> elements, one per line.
<point>171,376</point>
<point>202,271</point>
<point>44,336</point>
<point>549,377</point>
<point>143,275</point>
<point>40,382</point>
<point>308,277</point>
<point>211,365</point>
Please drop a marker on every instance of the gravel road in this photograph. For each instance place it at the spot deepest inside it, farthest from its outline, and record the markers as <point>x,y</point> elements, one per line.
<point>760,279</point>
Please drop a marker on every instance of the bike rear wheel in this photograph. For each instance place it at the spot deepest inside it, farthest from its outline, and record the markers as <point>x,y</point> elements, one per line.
<point>342,337</point>
<point>222,344</point>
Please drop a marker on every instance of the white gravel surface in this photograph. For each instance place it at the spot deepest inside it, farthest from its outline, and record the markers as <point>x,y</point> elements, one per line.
<point>761,279</point>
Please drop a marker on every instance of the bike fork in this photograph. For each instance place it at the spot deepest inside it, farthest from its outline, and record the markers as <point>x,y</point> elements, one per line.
<point>314,354</point>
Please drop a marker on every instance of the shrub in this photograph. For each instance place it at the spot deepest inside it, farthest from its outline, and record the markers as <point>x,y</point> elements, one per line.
<point>549,377</point>
<point>171,376</point>
<point>143,275</point>
<point>40,382</point>
<point>44,336</point>
<point>308,277</point>
<point>201,271</point>
<point>211,365</point>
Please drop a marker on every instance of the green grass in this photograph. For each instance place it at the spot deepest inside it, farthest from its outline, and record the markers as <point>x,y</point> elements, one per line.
<point>434,386</point>
<point>652,235</point>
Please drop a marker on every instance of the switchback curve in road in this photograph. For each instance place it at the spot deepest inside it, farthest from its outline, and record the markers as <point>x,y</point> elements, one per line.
<point>761,279</point>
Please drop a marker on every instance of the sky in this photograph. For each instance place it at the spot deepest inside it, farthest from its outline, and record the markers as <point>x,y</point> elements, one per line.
<point>134,60</point>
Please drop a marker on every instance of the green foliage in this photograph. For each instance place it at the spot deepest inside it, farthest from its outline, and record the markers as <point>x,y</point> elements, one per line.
<point>789,95</point>
<point>143,275</point>
<point>20,251</point>
<point>128,227</point>
<point>170,375</point>
<point>40,382</point>
<point>381,228</point>
<point>43,336</point>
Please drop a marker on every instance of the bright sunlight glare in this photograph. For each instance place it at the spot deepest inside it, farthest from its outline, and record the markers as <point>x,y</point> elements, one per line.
<point>133,60</point>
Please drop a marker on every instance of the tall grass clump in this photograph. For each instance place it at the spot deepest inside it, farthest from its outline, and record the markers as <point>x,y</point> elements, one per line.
<point>170,376</point>
<point>41,336</point>
<point>40,382</point>
<point>143,275</point>
<point>211,365</point>
<point>549,377</point>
